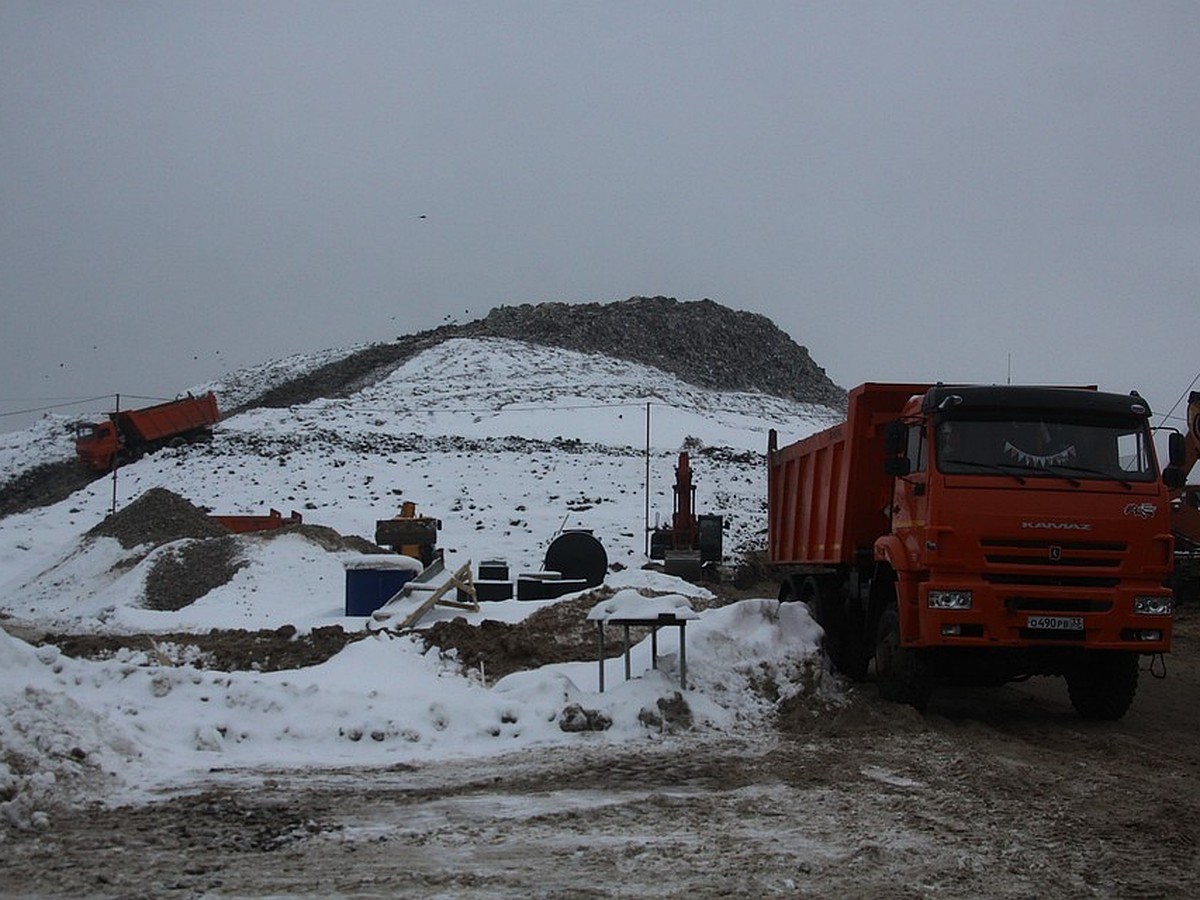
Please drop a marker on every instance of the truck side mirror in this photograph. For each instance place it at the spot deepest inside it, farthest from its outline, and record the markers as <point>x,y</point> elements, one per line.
<point>895,438</point>
<point>895,443</point>
<point>1173,476</point>
<point>1176,450</point>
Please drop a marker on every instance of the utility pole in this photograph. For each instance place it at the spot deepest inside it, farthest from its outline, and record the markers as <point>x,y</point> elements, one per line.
<point>116,461</point>
<point>647,523</point>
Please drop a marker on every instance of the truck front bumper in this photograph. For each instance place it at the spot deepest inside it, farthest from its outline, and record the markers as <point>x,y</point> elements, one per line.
<point>976,614</point>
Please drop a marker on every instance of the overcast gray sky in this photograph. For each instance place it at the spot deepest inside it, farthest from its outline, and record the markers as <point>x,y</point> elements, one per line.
<point>912,190</point>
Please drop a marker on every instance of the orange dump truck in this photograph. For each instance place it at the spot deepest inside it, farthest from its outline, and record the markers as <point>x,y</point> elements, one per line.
<point>129,433</point>
<point>981,534</point>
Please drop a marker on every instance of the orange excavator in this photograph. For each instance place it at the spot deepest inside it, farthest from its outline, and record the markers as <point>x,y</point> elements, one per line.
<point>691,542</point>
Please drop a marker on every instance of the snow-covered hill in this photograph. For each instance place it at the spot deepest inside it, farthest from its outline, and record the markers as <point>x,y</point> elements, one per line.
<point>506,443</point>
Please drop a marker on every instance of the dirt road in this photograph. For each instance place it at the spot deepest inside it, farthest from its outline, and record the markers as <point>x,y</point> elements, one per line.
<point>991,793</point>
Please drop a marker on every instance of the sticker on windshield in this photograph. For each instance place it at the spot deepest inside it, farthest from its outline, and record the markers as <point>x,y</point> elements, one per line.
<point>1040,460</point>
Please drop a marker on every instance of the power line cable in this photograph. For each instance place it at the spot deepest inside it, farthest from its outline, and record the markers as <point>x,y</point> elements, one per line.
<point>1170,413</point>
<point>73,402</point>
<point>37,409</point>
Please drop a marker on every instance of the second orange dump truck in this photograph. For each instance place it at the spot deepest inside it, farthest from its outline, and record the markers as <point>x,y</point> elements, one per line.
<point>128,433</point>
<point>981,534</point>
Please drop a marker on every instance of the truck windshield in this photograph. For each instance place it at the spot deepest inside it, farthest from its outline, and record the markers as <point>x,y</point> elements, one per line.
<point>1079,448</point>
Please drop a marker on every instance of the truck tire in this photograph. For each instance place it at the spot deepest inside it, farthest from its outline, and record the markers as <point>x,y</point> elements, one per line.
<point>1103,685</point>
<point>856,649</point>
<point>826,615</point>
<point>902,674</point>
<point>843,647</point>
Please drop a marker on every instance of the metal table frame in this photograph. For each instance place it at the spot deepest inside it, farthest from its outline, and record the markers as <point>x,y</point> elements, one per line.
<point>653,624</point>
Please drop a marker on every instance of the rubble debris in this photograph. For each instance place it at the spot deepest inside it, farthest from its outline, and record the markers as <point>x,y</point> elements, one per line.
<point>575,718</point>
<point>554,634</point>
<point>701,342</point>
<point>669,714</point>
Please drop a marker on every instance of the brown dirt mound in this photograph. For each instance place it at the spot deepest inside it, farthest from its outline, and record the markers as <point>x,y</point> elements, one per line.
<point>554,634</point>
<point>223,650</point>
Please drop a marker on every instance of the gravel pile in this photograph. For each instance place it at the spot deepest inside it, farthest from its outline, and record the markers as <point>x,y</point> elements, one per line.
<point>158,517</point>
<point>182,576</point>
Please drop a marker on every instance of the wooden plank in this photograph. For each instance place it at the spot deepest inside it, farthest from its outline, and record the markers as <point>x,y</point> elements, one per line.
<point>460,579</point>
<point>434,581</point>
<point>427,580</point>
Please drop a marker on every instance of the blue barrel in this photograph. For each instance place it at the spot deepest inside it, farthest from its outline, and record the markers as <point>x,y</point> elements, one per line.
<point>372,580</point>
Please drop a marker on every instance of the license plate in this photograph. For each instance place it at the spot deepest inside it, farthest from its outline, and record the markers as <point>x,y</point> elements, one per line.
<point>1055,623</point>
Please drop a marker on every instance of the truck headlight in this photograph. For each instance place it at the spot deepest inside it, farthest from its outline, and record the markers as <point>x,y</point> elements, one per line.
<point>1153,606</point>
<point>949,600</point>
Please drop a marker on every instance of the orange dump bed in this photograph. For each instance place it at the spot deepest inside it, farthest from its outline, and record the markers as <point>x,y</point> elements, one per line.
<point>244,524</point>
<point>176,417</point>
<point>827,495</point>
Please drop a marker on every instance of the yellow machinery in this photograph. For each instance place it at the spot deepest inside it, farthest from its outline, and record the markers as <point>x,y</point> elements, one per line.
<point>409,534</point>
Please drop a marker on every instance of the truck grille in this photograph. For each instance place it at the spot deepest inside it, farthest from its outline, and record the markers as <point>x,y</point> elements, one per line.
<point>1039,580</point>
<point>1055,606</point>
<point>1043,554</point>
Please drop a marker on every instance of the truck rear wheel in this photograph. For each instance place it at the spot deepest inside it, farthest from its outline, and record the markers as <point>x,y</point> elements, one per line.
<point>827,614</point>
<point>856,647</point>
<point>902,674</point>
<point>843,642</point>
<point>1103,685</point>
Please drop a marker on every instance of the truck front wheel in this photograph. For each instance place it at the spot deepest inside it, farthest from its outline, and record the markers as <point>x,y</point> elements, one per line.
<point>1103,685</point>
<point>902,674</point>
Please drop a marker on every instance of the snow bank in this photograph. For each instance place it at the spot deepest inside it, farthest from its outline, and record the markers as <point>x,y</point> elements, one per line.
<point>53,749</point>
<point>125,727</point>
